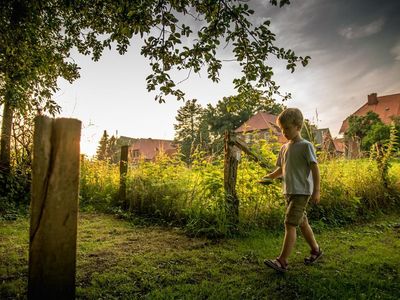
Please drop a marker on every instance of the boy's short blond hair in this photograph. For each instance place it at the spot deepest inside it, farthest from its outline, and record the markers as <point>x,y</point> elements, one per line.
<point>291,116</point>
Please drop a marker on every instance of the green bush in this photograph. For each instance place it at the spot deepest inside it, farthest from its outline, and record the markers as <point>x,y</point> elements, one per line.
<point>158,189</point>
<point>193,197</point>
<point>15,192</point>
<point>394,174</point>
<point>99,184</point>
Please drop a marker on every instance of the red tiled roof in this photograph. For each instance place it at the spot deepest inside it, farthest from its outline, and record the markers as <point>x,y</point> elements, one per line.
<point>148,148</point>
<point>386,107</point>
<point>262,121</point>
<point>339,144</point>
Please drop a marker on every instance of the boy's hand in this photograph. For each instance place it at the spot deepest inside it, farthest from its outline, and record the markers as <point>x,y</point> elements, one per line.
<point>275,174</point>
<point>265,180</point>
<point>315,197</point>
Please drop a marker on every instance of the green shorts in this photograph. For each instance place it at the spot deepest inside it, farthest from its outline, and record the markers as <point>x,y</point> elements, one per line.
<point>296,209</point>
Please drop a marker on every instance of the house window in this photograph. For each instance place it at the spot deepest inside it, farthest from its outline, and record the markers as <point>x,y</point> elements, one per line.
<point>135,153</point>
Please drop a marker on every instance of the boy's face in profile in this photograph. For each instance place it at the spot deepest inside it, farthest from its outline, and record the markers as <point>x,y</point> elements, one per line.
<point>290,131</point>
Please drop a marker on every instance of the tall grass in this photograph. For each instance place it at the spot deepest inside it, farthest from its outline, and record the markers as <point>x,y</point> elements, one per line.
<point>350,190</point>
<point>99,184</point>
<point>394,174</point>
<point>169,191</point>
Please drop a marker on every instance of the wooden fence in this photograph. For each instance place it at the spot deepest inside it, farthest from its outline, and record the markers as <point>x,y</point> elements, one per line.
<point>233,148</point>
<point>54,203</point>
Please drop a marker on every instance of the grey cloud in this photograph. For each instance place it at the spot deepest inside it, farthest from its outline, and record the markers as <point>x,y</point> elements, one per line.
<point>355,32</point>
<point>396,51</point>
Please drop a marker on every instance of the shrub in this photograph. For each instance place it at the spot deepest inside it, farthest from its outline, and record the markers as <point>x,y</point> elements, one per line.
<point>350,190</point>
<point>193,197</point>
<point>15,191</point>
<point>99,183</point>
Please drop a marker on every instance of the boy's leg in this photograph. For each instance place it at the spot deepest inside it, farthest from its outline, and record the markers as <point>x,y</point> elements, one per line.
<point>293,217</point>
<point>294,214</point>
<point>288,242</point>
<point>315,253</point>
<point>308,235</point>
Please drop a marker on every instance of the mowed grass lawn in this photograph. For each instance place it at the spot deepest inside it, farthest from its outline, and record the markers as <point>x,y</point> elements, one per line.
<point>117,259</point>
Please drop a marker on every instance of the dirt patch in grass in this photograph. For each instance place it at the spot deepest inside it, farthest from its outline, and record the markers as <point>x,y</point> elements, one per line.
<point>106,243</point>
<point>130,239</point>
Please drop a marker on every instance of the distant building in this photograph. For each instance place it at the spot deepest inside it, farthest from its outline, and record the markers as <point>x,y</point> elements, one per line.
<point>261,126</point>
<point>387,107</point>
<point>339,145</point>
<point>325,142</point>
<point>148,149</point>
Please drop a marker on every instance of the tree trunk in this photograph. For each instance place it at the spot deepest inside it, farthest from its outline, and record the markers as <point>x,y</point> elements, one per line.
<point>5,146</point>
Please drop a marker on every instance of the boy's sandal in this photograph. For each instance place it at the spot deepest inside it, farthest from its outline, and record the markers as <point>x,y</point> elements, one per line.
<point>276,264</point>
<point>314,256</point>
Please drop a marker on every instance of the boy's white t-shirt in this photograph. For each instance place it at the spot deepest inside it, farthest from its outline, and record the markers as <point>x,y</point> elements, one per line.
<point>295,159</point>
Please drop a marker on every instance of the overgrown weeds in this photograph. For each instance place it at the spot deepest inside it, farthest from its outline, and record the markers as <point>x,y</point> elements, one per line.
<point>193,197</point>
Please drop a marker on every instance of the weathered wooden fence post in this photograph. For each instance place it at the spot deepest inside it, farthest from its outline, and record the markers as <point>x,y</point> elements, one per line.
<point>54,208</point>
<point>230,174</point>
<point>123,170</point>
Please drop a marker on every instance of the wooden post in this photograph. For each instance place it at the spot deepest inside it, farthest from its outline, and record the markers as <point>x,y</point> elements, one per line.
<point>230,174</point>
<point>123,170</point>
<point>54,208</point>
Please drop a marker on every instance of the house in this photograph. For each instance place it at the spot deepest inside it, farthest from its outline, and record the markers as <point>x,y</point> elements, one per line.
<point>148,149</point>
<point>325,142</point>
<point>339,145</point>
<point>260,126</point>
<point>386,107</point>
<point>263,125</point>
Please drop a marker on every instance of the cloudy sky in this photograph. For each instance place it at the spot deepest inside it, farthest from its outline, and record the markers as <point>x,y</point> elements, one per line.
<point>354,47</point>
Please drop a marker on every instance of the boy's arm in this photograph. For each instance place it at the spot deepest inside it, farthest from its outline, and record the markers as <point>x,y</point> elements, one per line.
<point>315,197</point>
<point>275,174</point>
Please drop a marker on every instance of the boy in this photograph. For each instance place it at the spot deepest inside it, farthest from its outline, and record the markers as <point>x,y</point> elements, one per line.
<point>297,164</point>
